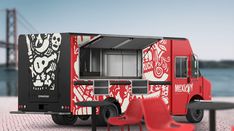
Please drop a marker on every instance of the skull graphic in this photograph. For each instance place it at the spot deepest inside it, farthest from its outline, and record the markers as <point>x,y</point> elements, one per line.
<point>56,41</point>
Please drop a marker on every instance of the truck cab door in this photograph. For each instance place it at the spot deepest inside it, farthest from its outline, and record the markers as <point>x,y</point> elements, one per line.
<point>181,85</point>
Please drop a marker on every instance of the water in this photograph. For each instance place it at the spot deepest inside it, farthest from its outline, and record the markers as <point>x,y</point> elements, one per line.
<point>222,81</point>
<point>8,82</point>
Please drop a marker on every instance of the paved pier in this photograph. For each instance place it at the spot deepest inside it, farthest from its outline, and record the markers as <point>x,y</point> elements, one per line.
<point>22,122</point>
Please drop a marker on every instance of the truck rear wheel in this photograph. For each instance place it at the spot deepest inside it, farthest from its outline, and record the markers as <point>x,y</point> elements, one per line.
<point>84,117</point>
<point>64,119</point>
<point>108,111</point>
<point>194,115</point>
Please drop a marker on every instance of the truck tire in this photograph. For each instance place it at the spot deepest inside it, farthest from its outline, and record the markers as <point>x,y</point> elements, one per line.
<point>194,115</point>
<point>64,119</point>
<point>84,117</point>
<point>108,111</point>
<point>115,102</point>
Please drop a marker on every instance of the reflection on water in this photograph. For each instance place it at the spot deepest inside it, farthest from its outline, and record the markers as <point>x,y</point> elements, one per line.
<point>222,81</point>
<point>8,82</point>
<point>8,88</point>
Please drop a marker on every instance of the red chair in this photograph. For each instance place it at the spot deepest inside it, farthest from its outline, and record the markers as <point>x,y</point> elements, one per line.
<point>233,128</point>
<point>133,115</point>
<point>157,117</point>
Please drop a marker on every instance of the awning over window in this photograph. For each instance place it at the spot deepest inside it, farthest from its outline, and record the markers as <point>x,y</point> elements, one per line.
<point>120,42</point>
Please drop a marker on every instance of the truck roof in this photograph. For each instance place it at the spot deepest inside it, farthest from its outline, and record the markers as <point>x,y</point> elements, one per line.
<point>121,41</point>
<point>131,36</point>
<point>116,41</point>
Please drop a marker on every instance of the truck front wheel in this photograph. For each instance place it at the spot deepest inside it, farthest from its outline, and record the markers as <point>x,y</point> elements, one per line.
<point>194,115</point>
<point>64,119</point>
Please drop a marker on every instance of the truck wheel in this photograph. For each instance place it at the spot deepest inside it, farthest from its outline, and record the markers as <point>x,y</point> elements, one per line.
<point>108,111</point>
<point>64,119</point>
<point>115,102</point>
<point>84,117</point>
<point>194,115</point>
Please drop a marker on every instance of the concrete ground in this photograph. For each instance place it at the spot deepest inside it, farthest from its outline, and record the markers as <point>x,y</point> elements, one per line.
<point>16,122</point>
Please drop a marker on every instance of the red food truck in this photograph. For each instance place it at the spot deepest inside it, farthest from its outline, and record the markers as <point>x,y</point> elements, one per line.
<point>58,70</point>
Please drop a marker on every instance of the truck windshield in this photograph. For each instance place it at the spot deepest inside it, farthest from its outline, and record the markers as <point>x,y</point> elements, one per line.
<point>195,67</point>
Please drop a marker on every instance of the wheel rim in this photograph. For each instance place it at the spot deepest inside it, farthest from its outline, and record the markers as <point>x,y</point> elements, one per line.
<point>197,114</point>
<point>109,112</point>
<point>107,115</point>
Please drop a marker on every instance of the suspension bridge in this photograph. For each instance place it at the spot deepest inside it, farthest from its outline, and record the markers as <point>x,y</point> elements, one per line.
<point>12,18</point>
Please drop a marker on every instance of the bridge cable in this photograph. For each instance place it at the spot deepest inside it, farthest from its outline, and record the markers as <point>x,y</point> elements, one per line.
<point>27,23</point>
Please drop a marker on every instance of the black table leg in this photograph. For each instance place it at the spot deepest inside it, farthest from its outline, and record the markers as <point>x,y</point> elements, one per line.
<point>212,120</point>
<point>93,118</point>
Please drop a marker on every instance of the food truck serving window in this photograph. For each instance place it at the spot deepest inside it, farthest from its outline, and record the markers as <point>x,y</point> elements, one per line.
<point>113,57</point>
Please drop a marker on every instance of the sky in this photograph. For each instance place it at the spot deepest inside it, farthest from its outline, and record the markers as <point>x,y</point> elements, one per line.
<point>208,24</point>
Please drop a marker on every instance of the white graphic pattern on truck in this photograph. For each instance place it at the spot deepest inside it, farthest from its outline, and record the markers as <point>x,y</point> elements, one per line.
<point>43,53</point>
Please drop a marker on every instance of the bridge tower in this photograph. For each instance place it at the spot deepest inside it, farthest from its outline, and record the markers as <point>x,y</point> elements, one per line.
<point>11,37</point>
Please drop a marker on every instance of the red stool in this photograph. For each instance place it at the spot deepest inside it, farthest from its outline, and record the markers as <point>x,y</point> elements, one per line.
<point>157,117</point>
<point>133,115</point>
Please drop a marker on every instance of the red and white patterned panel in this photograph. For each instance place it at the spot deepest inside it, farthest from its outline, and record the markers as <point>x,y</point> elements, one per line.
<point>157,67</point>
<point>79,92</point>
